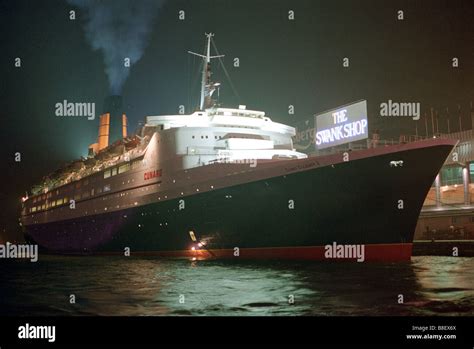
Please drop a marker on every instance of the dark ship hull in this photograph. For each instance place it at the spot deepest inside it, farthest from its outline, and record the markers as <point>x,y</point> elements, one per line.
<point>293,216</point>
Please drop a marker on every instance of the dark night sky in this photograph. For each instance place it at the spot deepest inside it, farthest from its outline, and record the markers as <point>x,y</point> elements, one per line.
<point>282,62</point>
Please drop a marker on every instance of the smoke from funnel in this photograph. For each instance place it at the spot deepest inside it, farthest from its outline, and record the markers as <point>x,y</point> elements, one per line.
<point>120,29</point>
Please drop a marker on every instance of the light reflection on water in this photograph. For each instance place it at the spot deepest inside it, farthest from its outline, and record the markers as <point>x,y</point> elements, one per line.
<point>148,286</point>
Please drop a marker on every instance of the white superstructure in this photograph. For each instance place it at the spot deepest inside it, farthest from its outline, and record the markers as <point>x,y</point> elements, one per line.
<point>223,135</point>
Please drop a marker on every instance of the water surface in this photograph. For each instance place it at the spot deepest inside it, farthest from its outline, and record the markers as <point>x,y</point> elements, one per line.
<point>151,286</point>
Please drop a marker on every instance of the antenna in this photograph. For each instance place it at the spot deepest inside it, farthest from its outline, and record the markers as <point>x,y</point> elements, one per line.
<point>207,88</point>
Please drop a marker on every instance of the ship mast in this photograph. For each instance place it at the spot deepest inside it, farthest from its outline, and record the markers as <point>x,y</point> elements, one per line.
<point>207,87</point>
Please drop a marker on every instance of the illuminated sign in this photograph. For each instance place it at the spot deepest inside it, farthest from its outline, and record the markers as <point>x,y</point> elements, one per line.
<point>342,125</point>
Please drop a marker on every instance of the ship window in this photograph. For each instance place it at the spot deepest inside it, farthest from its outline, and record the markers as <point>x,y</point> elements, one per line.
<point>59,202</point>
<point>136,164</point>
<point>85,194</point>
<point>202,137</point>
<point>53,204</point>
<point>78,185</point>
<point>107,174</point>
<point>33,209</point>
<point>123,168</point>
<point>107,187</point>
<point>99,190</point>
<point>86,182</point>
<point>92,192</point>
<point>34,200</point>
<point>77,196</point>
<point>451,175</point>
<point>193,137</point>
<point>114,171</point>
<point>66,199</point>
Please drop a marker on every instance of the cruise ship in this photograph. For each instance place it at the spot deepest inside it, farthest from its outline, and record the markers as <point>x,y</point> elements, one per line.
<point>228,183</point>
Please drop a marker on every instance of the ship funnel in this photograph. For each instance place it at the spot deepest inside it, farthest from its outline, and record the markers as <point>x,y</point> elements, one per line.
<point>113,106</point>
<point>113,124</point>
